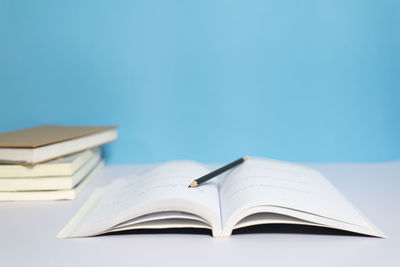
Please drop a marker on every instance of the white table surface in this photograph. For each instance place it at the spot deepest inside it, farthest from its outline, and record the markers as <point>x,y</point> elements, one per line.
<point>28,232</point>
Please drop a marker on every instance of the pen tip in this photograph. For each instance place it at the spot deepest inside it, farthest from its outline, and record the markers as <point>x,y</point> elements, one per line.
<point>245,158</point>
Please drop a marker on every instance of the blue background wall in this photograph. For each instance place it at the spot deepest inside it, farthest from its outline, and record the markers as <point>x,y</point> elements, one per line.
<point>209,80</point>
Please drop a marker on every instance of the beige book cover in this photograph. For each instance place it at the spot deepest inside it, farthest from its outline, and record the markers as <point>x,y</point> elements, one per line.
<point>46,135</point>
<point>68,194</point>
<point>64,166</point>
<point>43,143</point>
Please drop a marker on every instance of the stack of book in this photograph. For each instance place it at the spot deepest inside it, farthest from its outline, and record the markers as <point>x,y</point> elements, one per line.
<point>50,162</point>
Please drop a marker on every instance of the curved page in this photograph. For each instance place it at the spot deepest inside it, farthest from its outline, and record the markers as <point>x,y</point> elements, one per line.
<point>163,188</point>
<point>271,183</point>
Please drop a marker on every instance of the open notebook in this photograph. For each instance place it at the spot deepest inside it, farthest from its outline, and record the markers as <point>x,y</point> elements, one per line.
<point>259,191</point>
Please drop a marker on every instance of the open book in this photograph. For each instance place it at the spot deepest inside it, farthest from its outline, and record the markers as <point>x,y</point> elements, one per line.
<point>259,191</point>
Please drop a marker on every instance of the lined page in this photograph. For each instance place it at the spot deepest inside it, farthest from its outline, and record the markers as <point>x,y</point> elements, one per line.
<point>269,182</point>
<point>163,188</point>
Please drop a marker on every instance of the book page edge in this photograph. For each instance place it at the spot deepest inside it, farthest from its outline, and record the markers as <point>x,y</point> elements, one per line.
<point>81,213</point>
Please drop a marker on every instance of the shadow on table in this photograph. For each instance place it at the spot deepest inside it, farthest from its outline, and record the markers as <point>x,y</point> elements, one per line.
<point>292,229</point>
<point>255,229</point>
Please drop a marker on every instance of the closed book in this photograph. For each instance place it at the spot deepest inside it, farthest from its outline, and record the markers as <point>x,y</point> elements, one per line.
<point>68,194</point>
<point>64,166</point>
<point>50,182</point>
<point>39,144</point>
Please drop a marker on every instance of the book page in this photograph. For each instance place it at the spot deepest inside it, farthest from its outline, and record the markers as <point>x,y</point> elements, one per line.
<point>259,182</point>
<point>163,188</point>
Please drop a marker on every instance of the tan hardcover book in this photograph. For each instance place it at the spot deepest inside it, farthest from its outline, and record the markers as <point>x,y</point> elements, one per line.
<point>43,143</point>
